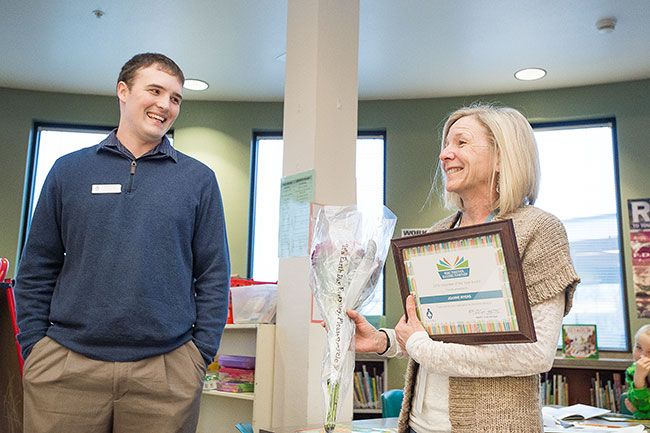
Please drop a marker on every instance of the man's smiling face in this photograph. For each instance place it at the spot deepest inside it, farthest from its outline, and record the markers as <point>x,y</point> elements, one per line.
<point>150,105</point>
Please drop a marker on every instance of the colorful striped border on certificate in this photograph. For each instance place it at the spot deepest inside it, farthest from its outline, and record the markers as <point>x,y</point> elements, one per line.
<point>493,240</point>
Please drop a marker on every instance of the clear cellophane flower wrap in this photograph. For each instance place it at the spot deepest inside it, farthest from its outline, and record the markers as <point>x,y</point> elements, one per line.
<point>348,251</point>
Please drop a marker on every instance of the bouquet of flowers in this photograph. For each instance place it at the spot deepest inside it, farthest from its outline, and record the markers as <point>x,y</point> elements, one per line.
<point>348,250</point>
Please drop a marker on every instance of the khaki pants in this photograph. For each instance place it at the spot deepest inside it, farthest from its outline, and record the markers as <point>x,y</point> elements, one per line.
<point>65,392</point>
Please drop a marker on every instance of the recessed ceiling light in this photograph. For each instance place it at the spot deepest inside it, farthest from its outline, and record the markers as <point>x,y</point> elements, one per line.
<point>530,74</point>
<point>194,84</point>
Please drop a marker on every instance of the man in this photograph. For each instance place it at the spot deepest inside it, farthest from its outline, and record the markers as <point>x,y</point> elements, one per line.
<point>122,292</point>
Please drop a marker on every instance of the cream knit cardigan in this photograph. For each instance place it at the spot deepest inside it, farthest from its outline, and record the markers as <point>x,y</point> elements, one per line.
<point>509,404</point>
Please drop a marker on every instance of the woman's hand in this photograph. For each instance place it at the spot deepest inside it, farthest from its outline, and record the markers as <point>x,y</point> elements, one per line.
<point>366,337</point>
<point>408,324</point>
<point>641,372</point>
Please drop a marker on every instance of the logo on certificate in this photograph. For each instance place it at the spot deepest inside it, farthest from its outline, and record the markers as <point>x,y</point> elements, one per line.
<point>447,269</point>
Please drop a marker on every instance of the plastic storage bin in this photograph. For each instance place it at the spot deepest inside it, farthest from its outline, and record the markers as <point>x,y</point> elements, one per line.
<point>254,304</point>
<point>237,361</point>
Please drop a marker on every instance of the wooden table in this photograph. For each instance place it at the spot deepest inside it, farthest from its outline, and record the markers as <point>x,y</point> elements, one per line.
<point>361,426</point>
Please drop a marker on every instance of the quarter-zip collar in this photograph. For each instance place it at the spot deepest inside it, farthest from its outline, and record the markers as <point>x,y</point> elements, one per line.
<point>112,144</point>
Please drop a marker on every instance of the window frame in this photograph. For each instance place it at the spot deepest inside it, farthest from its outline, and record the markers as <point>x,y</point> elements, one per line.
<point>592,123</point>
<point>257,134</point>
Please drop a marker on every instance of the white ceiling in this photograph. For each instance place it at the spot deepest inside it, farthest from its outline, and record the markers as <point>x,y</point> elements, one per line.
<point>407,48</point>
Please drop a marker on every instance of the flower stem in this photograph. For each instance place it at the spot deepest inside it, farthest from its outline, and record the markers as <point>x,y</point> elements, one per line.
<point>330,421</point>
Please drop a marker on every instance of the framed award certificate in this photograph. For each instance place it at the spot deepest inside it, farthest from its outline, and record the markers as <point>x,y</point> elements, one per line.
<point>467,283</point>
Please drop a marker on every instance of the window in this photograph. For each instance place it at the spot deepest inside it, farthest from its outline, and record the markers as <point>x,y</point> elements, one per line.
<point>265,202</point>
<point>579,185</point>
<point>370,171</point>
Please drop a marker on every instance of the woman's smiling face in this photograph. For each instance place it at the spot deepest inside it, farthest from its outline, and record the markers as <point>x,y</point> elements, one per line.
<point>468,159</point>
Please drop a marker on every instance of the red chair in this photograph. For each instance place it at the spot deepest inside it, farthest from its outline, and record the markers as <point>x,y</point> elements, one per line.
<point>4,265</point>
<point>7,284</point>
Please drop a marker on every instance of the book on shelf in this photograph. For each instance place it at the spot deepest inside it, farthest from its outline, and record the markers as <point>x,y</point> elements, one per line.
<point>367,388</point>
<point>232,373</point>
<point>618,388</point>
<point>579,341</point>
<point>605,394</point>
<point>554,390</point>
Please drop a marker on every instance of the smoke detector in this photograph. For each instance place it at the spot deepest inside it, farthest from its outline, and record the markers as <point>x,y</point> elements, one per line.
<point>606,25</point>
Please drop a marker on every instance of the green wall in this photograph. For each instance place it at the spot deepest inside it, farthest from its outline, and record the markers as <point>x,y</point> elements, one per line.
<point>219,134</point>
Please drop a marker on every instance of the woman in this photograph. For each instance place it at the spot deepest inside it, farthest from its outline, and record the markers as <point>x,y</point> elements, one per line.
<point>490,172</point>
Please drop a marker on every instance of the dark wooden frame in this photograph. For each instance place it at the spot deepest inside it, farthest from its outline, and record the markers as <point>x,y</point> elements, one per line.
<point>505,230</point>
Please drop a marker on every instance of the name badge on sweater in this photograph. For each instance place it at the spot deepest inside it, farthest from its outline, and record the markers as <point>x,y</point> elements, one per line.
<point>107,188</point>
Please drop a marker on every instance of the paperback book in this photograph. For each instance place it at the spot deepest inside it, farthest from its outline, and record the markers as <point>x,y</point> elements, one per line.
<point>579,341</point>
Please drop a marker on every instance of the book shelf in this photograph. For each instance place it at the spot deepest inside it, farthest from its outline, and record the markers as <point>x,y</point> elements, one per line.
<point>220,411</point>
<point>581,374</point>
<point>368,385</point>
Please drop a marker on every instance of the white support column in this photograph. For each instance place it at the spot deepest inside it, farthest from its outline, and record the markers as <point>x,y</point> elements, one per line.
<point>320,131</point>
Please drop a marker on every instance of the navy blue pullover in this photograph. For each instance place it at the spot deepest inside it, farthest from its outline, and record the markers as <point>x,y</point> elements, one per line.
<point>129,275</point>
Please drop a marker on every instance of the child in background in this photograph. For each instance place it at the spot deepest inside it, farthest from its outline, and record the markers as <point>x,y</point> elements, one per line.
<point>636,376</point>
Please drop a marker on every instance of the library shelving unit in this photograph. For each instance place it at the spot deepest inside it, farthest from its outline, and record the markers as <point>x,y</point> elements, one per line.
<point>375,366</point>
<point>578,374</point>
<point>220,411</point>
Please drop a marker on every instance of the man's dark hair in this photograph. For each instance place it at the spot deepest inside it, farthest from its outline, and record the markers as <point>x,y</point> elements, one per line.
<point>144,60</point>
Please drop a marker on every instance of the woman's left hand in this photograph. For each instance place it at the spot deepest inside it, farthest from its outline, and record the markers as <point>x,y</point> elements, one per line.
<point>408,324</point>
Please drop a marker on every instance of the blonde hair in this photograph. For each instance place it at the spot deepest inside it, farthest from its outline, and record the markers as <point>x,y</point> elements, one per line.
<point>517,175</point>
<point>645,329</point>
